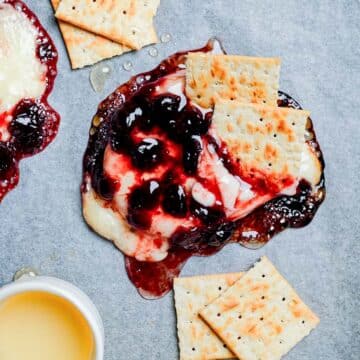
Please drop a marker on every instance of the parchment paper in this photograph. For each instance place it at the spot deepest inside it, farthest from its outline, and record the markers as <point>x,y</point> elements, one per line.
<point>41,222</point>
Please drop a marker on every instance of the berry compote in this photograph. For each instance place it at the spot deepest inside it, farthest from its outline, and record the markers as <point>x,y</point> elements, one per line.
<point>161,137</point>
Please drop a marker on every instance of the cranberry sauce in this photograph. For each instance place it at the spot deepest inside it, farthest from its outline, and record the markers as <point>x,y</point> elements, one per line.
<point>34,123</point>
<point>170,122</point>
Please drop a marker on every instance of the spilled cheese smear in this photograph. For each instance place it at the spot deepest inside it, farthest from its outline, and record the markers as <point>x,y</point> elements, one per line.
<point>21,73</point>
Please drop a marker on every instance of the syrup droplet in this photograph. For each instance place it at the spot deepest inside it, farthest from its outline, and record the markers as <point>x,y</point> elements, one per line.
<point>165,38</point>
<point>97,120</point>
<point>140,79</point>
<point>99,75</point>
<point>127,65</point>
<point>25,272</point>
<point>153,52</point>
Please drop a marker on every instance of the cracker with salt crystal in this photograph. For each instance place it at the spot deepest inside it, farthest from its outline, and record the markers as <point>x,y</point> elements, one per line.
<point>264,140</point>
<point>246,79</point>
<point>260,317</point>
<point>85,48</point>
<point>196,340</point>
<point>127,22</point>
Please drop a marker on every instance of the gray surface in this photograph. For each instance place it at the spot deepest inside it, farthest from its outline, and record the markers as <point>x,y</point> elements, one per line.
<point>41,223</point>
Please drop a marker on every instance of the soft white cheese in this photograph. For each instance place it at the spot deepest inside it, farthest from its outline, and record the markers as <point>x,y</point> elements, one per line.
<point>228,184</point>
<point>202,195</point>
<point>21,73</point>
<point>310,167</point>
<point>246,193</point>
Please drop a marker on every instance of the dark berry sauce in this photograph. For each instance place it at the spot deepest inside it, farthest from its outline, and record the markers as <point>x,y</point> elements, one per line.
<point>174,125</point>
<point>34,122</point>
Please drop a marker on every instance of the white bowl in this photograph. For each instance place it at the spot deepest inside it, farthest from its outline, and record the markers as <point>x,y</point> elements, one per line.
<point>67,291</point>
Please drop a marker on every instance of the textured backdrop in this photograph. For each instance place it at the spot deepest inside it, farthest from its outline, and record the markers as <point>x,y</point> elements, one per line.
<point>41,223</point>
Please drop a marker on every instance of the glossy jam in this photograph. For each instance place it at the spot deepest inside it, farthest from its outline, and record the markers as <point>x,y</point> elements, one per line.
<point>35,123</point>
<point>134,108</point>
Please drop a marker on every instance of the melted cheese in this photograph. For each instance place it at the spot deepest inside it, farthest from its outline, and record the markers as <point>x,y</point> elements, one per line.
<point>21,73</point>
<point>111,225</point>
<point>310,167</point>
<point>237,196</point>
<point>202,195</point>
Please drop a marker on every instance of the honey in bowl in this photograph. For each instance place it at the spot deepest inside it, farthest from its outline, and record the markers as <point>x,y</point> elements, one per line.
<point>37,325</point>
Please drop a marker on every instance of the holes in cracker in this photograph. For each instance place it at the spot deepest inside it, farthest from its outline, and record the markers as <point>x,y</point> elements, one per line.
<point>270,164</point>
<point>124,12</point>
<point>198,96</point>
<point>240,316</point>
<point>261,119</point>
<point>263,297</point>
<point>275,135</point>
<point>218,314</point>
<point>293,123</point>
<point>193,349</point>
<point>303,322</point>
<point>261,319</point>
<point>74,7</point>
<point>263,275</point>
<point>224,345</point>
<point>283,299</point>
<point>219,288</point>
<point>239,337</point>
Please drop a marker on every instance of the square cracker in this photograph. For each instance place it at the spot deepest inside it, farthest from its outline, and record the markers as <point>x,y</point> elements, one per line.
<point>196,339</point>
<point>85,48</point>
<point>246,79</point>
<point>265,141</point>
<point>260,317</point>
<point>127,22</point>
